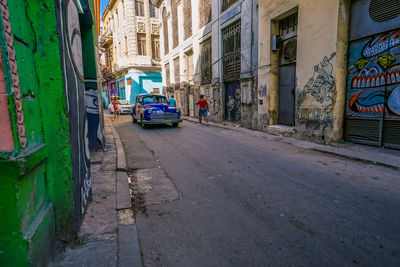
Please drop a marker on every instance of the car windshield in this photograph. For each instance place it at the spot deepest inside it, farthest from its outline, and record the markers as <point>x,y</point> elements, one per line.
<point>123,102</point>
<point>154,99</point>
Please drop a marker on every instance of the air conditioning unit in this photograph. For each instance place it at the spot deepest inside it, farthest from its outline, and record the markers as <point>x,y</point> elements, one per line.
<point>289,50</point>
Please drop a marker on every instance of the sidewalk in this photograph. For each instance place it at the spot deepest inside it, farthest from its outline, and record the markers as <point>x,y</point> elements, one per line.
<point>108,235</point>
<point>368,154</point>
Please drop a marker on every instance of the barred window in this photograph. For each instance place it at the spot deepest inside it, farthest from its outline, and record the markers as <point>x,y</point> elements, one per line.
<point>165,28</point>
<point>139,5</point>
<point>227,3</point>
<point>174,15</point>
<point>204,12</point>
<point>155,47</point>
<point>141,41</point>
<point>189,65</point>
<point>205,62</point>
<point>177,71</point>
<point>187,18</point>
<point>167,74</point>
<point>231,51</point>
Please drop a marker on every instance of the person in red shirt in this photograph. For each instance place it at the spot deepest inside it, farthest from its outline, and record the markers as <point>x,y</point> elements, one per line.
<point>203,109</point>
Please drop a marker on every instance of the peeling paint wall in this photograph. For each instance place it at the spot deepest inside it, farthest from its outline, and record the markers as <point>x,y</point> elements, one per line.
<point>321,42</point>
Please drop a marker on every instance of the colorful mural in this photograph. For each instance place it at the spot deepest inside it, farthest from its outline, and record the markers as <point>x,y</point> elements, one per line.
<point>374,77</point>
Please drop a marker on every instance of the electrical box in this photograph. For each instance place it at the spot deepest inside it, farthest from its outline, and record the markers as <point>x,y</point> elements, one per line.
<point>276,43</point>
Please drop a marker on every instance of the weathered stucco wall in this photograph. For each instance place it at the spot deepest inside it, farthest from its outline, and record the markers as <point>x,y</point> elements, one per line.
<point>319,28</point>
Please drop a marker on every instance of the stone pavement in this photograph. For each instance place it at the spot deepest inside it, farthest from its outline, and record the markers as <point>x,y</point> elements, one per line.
<point>108,235</point>
<point>368,154</point>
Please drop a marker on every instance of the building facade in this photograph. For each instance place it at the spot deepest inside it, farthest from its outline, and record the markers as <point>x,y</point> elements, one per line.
<point>47,67</point>
<point>130,49</point>
<point>329,70</point>
<point>210,48</point>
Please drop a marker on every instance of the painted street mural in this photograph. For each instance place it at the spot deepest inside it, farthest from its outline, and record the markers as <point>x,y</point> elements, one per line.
<point>71,54</point>
<point>374,77</point>
<point>319,87</point>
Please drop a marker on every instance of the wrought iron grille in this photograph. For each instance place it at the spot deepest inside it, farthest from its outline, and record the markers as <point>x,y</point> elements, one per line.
<point>167,74</point>
<point>204,12</point>
<point>187,18</point>
<point>288,25</point>
<point>227,3</point>
<point>205,62</point>
<point>165,28</point>
<point>177,71</point>
<point>174,15</point>
<point>155,47</point>
<point>231,51</point>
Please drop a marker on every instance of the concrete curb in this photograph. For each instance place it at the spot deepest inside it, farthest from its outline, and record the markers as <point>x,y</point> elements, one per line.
<point>392,161</point>
<point>128,240</point>
<point>121,157</point>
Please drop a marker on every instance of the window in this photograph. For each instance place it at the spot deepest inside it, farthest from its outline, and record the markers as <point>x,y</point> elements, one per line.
<point>165,28</point>
<point>177,71</point>
<point>155,47</point>
<point>189,66</point>
<point>167,74</point>
<point>205,62</point>
<point>126,46</point>
<point>227,3</point>
<point>288,25</point>
<point>187,18</point>
<point>204,12</point>
<point>123,9</point>
<point>153,11</point>
<point>231,51</point>
<point>141,40</point>
<point>139,5</point>
<point>174,14</point>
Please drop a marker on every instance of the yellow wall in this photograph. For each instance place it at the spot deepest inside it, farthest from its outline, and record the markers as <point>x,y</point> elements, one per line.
<point>317,38</point>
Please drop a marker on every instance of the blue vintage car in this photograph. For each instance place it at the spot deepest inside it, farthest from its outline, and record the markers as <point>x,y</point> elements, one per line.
<point>154,109</point>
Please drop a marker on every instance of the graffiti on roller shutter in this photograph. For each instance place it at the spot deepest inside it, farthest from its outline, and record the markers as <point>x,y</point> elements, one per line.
<point>374,77</point>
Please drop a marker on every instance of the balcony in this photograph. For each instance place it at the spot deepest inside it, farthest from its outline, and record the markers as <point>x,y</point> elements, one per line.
<point>106,38</point>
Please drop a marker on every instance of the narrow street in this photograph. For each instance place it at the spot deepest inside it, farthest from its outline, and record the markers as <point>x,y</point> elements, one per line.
<point>217,197</point>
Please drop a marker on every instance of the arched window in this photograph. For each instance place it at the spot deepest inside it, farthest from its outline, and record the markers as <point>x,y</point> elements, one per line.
<point>165,28</point>
<point>175,32</point>
<point>204,12</point>
<point>187,18</point>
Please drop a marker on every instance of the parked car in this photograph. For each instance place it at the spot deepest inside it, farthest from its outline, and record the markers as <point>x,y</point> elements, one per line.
<point>154,109</point>
<point>124,107</point>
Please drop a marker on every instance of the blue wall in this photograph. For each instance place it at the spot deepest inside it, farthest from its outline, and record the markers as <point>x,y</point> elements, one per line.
<point>142,82</point>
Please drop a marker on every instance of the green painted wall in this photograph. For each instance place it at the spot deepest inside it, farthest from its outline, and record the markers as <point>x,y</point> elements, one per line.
<point>37,202</point>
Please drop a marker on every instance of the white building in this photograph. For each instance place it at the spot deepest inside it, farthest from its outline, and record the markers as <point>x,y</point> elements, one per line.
<point>130,44</point>
<point>210,48</point>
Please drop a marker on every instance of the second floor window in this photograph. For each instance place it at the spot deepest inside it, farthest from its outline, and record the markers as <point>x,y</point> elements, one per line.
<point>177,71</point>
<point>165,28</point>
<point>139,5</point>
<point>174,15</point>
<point>141,41</point>
<point>205,61</point>
<point>155,47</point>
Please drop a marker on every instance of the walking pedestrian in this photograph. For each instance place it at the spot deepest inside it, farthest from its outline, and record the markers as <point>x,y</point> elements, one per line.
<point>203,109</point>
<point>172,101</point>
<point>115,106</point>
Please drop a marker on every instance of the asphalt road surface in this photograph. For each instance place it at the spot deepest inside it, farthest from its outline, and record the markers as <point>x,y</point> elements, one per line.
<point>226,198</point>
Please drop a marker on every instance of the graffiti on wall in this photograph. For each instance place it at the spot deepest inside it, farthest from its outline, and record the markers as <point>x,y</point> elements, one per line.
<point>373,83</point>
<point>321,88</point>
<point>71,54</point>
<point>93,111</point>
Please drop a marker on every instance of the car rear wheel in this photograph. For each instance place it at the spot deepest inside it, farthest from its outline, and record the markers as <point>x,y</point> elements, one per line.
<point>175,124</point>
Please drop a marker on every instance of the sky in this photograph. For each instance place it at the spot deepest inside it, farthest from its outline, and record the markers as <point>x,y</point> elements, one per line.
<point>103,4</point>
